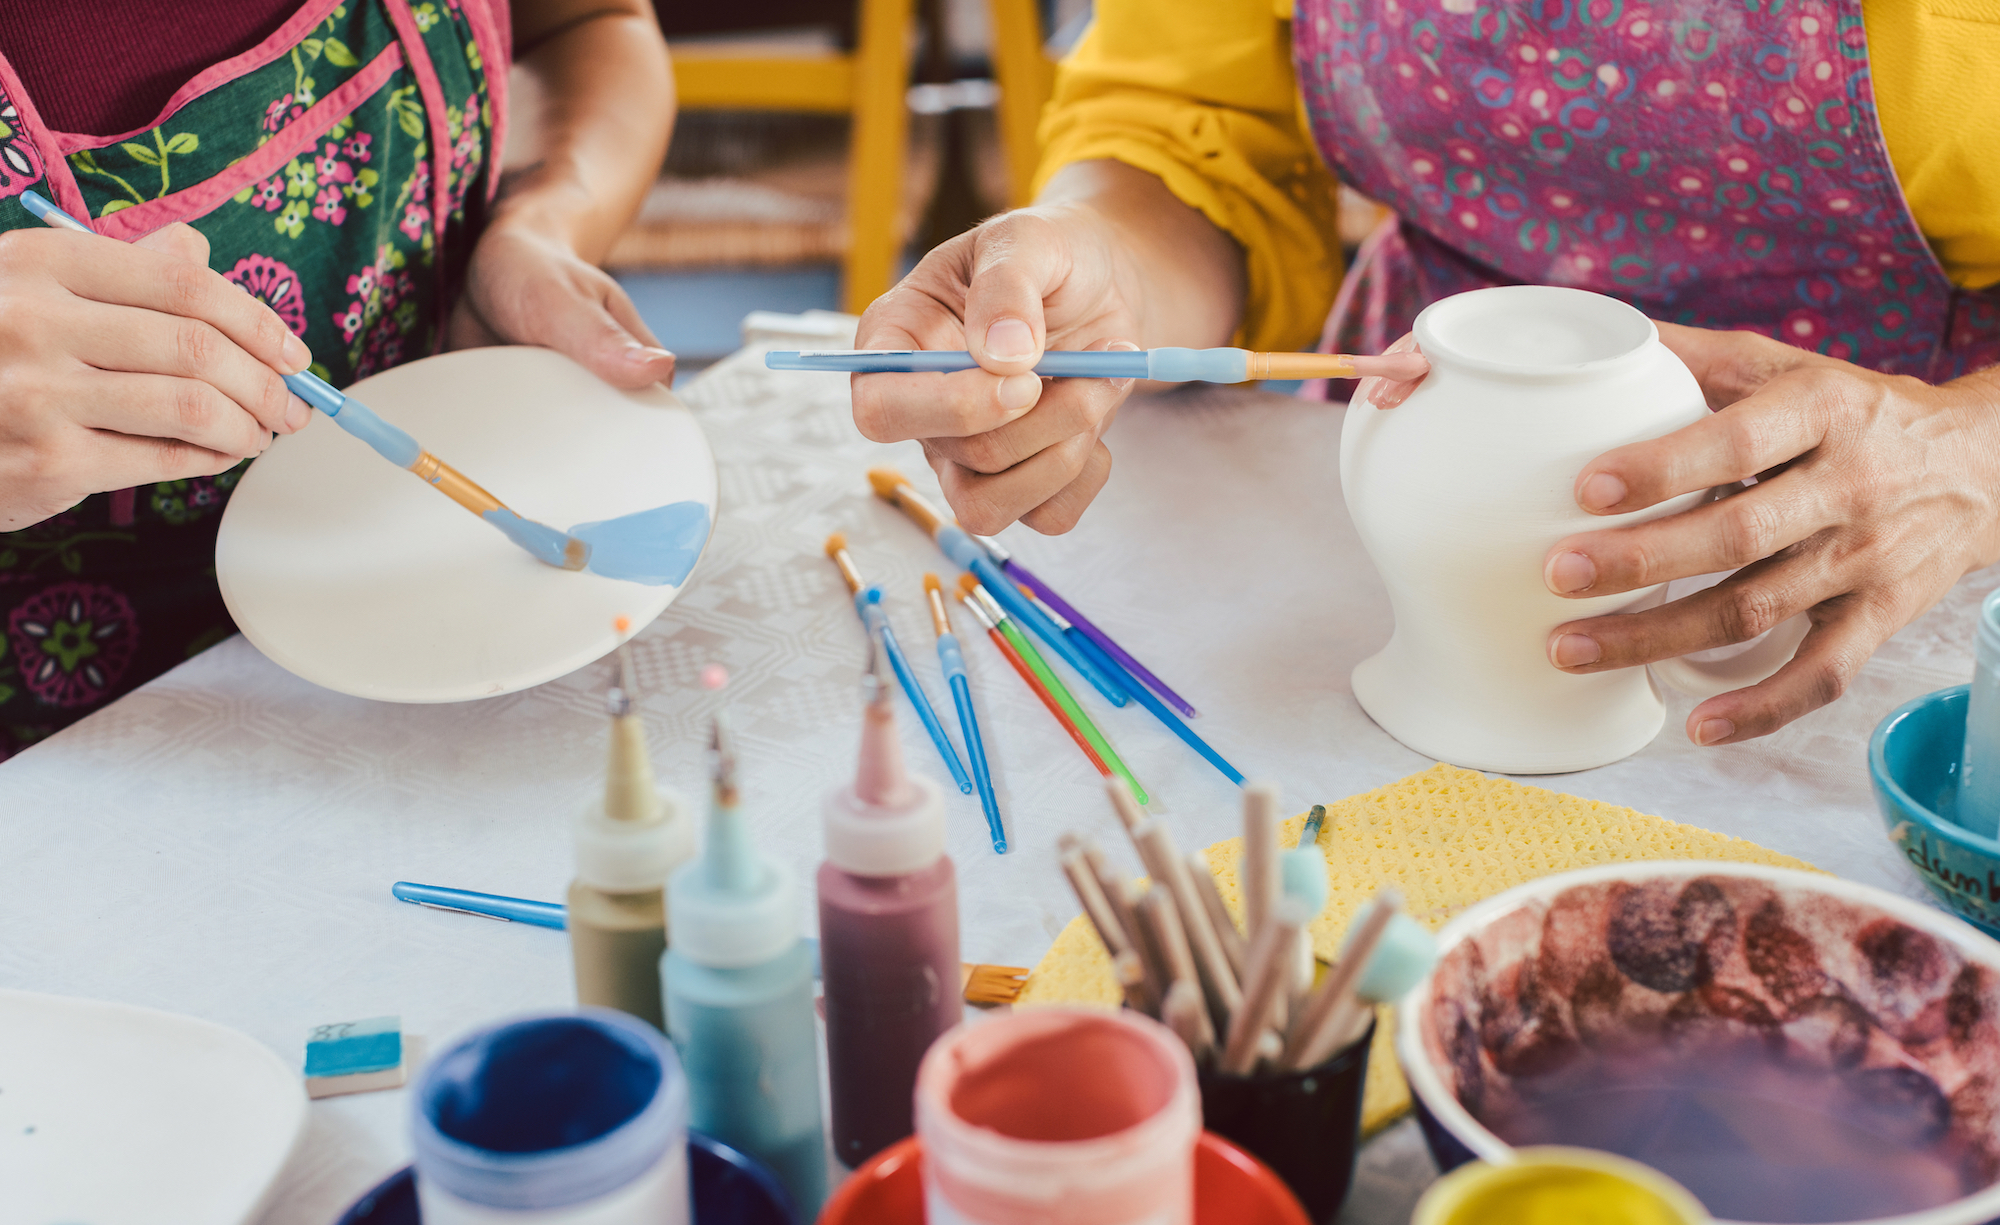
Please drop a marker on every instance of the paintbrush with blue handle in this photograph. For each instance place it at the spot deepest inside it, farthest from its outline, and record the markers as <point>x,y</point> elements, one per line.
<point>557,548</point>
<point>1167,365</point>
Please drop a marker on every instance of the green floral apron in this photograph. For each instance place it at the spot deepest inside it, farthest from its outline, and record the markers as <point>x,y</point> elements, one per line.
<point>340,171</point>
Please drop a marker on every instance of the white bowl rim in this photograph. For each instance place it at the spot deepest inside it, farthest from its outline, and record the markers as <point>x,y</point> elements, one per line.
<point>1425,1083</point>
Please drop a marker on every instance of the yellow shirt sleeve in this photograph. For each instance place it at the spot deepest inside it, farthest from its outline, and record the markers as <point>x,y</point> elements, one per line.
<point>1201,94</point>
<point>1936,70</point>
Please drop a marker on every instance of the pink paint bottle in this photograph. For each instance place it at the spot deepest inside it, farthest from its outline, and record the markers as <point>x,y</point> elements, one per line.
<point>888,937</point>
<point>1059,1116</point>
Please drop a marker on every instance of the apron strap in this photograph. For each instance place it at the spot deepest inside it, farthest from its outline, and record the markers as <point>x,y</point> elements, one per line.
<point>418,57</point>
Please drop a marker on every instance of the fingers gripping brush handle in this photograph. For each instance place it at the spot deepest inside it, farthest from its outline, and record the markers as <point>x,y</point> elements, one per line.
<point>558,549</point>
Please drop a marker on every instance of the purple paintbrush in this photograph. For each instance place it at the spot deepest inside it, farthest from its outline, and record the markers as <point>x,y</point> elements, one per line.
<point>1047,595</point>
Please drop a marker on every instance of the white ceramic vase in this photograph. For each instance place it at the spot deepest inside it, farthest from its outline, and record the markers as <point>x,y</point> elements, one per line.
<point>1458,495</point>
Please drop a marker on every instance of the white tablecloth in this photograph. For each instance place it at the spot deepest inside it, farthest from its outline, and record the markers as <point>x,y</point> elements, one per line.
<point>222,841</point>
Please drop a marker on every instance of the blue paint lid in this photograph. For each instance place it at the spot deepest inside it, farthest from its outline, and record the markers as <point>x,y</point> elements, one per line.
<point>549,1110</point>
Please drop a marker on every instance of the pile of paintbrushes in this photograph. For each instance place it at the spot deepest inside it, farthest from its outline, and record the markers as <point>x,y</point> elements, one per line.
<point>1243,1002</point>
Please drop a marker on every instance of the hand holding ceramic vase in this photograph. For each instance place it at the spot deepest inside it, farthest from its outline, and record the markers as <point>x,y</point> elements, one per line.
<point>1458,496</point>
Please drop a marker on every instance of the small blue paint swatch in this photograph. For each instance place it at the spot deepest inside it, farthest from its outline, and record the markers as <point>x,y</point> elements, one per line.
<point>349,1047</point>
<point>657,547</point>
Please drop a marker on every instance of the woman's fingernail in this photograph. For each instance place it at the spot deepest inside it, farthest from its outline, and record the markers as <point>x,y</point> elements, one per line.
<point>295,354</point>
<point>1019,392</point>
<point>1574,650</point>
<point>1601,491</point>
<point>640,354</point>
<point>1122,346</point>
<point>296,415</point>
<point>1713,731</point>
<point>1010,340</point>
<point>1569,572</point>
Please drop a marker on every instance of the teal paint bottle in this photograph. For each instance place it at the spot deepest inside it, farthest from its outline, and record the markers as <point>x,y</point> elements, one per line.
<point>738,984</point>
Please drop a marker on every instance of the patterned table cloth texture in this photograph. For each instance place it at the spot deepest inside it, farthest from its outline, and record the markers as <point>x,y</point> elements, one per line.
<point>221,842</point>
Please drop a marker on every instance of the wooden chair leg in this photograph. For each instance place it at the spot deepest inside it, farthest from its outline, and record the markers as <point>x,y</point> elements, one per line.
<point>1026,79</point>
<point>877,150</point>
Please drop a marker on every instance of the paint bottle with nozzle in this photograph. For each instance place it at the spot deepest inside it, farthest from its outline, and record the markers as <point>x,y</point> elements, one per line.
<point>739,997</point>
<point>888,934</point>
<point>627,845</point>
<point>1074,1115</point>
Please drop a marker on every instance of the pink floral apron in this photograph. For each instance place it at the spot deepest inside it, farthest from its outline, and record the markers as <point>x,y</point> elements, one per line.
<point>332,169</point>
<point>1713,162</point>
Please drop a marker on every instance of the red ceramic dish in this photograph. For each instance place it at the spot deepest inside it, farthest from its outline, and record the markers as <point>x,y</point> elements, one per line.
<point>1230,1188</point>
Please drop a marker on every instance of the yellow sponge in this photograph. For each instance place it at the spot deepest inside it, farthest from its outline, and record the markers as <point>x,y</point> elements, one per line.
<point>1445,838</point>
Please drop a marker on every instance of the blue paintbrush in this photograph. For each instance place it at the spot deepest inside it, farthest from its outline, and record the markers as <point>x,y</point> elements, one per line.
<point>557,548</point>
<point>485,905</point>
<point>952,660</point>
<point>868,603</point>
<point>1167,365</point>
<point>892,487</point>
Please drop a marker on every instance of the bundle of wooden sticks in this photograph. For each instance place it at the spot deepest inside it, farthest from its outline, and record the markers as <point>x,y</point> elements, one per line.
<point>1244,1002</point>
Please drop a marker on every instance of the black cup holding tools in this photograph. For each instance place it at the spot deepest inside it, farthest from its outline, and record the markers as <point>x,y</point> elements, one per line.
<point>1305,1125</point>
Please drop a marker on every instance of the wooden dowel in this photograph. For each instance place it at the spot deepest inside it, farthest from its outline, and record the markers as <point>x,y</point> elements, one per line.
<point>1186,1014</point>
<point>1260,856</point>
<point>1153,960</point>
<point>1270,972</point>
<point>1133,980</point>
<point>1309,1030</point>
<point>1218,981</point>
<point>1233,946</point>
<point>1088,894</point>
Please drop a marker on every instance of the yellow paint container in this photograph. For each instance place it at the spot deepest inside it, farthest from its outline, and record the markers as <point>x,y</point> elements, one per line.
<point>1553,1185</point>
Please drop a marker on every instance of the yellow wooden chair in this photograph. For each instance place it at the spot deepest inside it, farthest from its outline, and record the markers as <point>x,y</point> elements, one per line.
<point>1026,77</point>
<point>870,85</point>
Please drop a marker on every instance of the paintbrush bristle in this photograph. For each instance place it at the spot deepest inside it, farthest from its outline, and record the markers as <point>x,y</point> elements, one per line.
<point>966,583</point>
<point>931,583</point>
<point>886,481</point>
<point>576,554</point>
<point>987,986</point>
<point>836,543</point>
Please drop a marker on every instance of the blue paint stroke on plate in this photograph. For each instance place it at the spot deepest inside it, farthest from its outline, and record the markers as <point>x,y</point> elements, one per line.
<point>657,546</point>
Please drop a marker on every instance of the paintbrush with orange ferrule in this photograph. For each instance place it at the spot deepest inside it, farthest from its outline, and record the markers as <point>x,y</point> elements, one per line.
<point>975,595</point>
<point>958,544</point>
<point>1165,365</point>
<point>868,603</point>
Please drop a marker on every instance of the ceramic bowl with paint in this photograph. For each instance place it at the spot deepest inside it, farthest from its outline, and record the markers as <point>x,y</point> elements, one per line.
<point>574,1118</point>
<point>1552,1183</point>
<point>1058,1116</point>
<point>1458,496</point>
<point>1914,761</point>
<point>1305,1125</point>
<point>1789,1047</point>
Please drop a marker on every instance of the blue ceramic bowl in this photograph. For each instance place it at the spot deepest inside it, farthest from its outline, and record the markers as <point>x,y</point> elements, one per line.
<point>1913,762</point>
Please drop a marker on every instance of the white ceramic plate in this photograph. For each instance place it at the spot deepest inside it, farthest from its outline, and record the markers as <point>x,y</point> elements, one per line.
<point>350,572</point>
<point>115,1115</point>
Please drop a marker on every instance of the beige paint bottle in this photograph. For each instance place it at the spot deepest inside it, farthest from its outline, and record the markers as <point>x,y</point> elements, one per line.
<point>626,848</point>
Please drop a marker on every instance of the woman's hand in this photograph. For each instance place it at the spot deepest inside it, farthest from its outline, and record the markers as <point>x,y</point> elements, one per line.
<point>595,113</point>
<point>527,287</point>
<point>1107,259</point>
<point>128,363</point>
<point>1874,495</point>
<point>1005,445</point>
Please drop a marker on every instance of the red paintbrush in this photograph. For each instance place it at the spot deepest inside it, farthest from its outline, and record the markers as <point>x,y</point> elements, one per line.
<point>1028,675</point>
